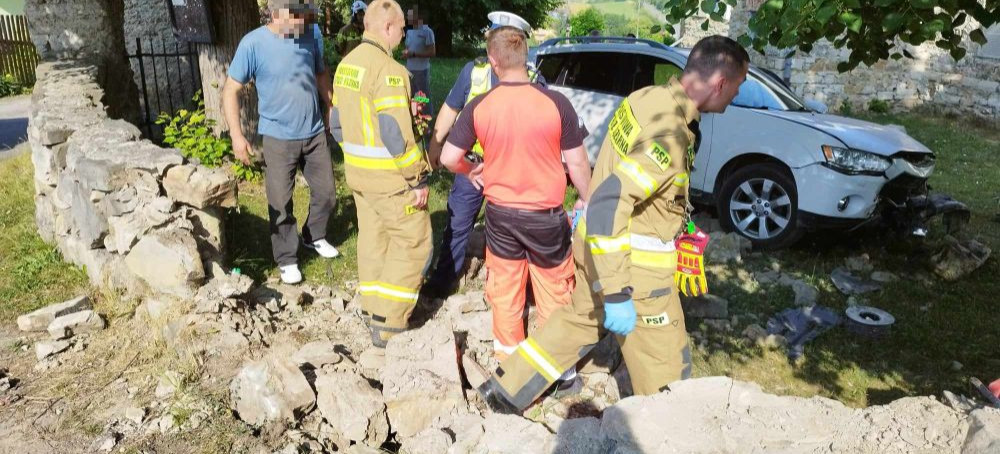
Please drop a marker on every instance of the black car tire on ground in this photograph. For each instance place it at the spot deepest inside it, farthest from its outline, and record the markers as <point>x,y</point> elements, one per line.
<point>761,190</point>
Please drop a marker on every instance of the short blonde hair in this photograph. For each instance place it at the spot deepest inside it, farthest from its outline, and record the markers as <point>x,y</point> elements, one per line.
<point>508,46</point>
<point>381,12</point>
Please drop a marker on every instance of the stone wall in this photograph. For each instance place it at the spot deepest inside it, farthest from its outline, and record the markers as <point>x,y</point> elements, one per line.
<point>970,86</point>
<point>134,215</point>
<point>932,78</point>
<point>88,30</point>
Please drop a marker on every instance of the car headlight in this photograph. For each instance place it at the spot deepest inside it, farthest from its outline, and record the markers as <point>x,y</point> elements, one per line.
<point>855,161</point>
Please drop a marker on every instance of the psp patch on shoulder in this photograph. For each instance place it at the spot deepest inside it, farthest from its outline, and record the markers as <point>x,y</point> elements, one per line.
<point>659,155</point>
<point>656,320</point>
<point>394,81</point>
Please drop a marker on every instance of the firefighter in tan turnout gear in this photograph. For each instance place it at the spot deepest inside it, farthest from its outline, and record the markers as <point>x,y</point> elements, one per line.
<point>386,170</point>
<point>625,254</point>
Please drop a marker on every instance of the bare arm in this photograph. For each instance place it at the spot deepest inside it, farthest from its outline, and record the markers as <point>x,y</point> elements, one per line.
<point>579,170</point>
<point>325,89</point>
<point>430,53</point>
<point>442,126</point>
<point>231,111</point>
<point>453,158</point>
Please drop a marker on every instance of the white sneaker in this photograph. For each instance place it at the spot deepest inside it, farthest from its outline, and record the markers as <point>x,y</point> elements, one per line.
<point>324,249</point>
<point>290,274</point>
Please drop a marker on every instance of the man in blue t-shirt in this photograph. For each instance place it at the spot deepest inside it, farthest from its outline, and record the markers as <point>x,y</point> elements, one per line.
<point>284,59</point>
<point>465,199</point>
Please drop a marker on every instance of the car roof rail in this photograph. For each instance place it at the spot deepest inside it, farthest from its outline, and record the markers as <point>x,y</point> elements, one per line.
<point>601,39</point>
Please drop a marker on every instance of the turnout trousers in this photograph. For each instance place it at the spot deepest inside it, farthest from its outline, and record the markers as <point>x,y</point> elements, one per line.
<point>656,353</point>
<point>394,250</point>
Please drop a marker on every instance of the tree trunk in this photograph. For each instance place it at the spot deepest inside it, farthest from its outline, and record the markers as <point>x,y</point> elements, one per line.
<point>231,19</point>
<point>443,36</point>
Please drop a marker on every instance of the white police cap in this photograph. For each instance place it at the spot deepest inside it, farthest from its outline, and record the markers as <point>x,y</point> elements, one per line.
<point>504,19</point>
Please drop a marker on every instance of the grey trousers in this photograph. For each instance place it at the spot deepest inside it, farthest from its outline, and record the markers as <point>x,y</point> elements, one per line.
<point>283,158</point>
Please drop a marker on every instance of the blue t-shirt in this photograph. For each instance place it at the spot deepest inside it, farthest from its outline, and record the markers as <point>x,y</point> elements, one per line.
<point>460,91</point>
<point>284,71</point>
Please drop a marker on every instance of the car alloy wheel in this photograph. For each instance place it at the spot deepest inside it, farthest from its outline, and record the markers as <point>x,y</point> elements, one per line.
<point>760,208</point>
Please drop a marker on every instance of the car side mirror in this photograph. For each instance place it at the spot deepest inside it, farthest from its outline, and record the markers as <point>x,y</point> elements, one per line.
<point>816,106</point>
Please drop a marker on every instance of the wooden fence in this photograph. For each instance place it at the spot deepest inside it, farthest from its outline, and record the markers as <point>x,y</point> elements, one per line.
<point>17,53</point>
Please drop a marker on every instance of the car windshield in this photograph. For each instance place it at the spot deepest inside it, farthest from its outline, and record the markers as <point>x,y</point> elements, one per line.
<point>765,91</point>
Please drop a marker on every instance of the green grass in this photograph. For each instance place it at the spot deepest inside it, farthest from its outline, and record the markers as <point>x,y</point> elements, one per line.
<point>32,273</point>
<point>624,8</point>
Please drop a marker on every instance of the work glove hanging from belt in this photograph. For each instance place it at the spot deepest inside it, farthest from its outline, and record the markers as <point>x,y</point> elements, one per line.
<point>690,276</point>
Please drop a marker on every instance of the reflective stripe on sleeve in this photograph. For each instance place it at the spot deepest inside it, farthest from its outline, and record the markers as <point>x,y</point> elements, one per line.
<point>409,158</point>
<point>637,175</point>
<point>608,245</point>
<point>390,102</point>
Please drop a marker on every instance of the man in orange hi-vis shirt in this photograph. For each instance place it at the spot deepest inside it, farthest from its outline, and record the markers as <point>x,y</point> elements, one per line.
<point>527,231</point>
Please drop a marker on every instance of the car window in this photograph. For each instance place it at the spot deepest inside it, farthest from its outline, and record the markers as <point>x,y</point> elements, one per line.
<point>788,98</point>
<point>598,71</point>
<point>551,67</point>
<point>755,95</point>
<point>650,70</point>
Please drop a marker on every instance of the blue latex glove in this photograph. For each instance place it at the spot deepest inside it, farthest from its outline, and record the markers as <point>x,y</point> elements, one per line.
<point>619,318</point>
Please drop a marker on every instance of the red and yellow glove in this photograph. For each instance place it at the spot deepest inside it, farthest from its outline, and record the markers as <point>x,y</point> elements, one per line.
<point>690,276</point>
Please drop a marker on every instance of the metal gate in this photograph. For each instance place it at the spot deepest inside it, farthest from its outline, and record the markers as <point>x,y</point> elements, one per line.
<point>169,76</point>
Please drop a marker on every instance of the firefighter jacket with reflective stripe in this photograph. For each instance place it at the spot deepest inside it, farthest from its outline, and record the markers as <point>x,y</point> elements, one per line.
<point>371,119</point>
<point>638,200</point>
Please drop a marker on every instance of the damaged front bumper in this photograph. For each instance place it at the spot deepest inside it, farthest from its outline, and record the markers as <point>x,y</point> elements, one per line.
<point>908,207</point>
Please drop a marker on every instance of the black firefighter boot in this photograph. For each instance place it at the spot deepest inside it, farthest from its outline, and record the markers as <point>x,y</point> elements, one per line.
<point>492,394</point>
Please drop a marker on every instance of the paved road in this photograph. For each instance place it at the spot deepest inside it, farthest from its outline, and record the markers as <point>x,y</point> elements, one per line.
<point>13,124</point>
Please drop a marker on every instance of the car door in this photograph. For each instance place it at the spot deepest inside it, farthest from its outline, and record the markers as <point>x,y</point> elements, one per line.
<point>594,84</point>
<point>743,129</point>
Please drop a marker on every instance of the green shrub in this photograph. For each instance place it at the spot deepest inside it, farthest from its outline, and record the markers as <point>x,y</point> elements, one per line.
<point>668,39</point>
<point>190,131</point>
<point>846,108</point>
<point>878,106</point>
<point>9,86</point>
<point>583,22</point>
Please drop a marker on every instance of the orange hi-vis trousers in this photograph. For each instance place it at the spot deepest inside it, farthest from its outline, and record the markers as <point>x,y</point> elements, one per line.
<point>523,244</point>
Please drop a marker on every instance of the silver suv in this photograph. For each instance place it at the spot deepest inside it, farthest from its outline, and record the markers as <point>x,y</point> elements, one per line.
<point>773,165</point>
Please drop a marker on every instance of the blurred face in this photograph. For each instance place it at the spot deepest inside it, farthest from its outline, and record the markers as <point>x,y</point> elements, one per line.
<point>292,23</point>
<point>723,91</point>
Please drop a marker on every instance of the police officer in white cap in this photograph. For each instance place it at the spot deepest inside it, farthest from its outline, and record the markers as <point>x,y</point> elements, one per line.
<point>349,35</point>
<point>465,200</point>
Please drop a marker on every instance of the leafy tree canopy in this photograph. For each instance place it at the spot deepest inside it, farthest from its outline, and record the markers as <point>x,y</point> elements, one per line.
<point>583,22</point>
<point>871,29</point>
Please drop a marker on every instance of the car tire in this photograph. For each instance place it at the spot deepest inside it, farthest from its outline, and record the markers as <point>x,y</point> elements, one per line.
<point>761,191</point>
